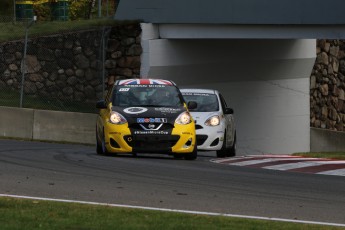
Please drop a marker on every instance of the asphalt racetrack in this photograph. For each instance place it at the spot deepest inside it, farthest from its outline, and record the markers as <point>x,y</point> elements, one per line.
<point>76,172</point>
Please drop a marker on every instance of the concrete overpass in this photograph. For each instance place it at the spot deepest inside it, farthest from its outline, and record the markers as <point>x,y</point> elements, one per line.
<point>259,53</point>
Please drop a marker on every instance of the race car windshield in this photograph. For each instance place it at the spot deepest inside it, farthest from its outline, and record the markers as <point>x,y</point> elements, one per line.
<point>147,95</point>
<point>205,102</point>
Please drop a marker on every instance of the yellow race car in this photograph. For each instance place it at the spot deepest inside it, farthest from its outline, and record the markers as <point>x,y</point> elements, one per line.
<point>146,116</point>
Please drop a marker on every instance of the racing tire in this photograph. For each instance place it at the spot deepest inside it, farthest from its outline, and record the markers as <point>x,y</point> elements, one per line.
<point>193,155</point>
<point>104,150</point>
<point>232,150</point>
<point>178,156</point>
<point>223,151</point>
<point>98,145</point>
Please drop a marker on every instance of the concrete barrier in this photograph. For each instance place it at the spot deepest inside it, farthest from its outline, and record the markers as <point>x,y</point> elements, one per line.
<point>64,126</point>
<point>322,140</point>
<point>71,127</point>
<point>47,125</point>
<point>16,123</point>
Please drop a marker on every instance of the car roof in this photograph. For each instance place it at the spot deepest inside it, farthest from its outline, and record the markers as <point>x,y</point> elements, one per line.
<point>149,81</point>
<point>194,90</point>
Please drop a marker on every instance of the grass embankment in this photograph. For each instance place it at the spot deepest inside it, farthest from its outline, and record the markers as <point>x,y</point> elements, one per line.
<point>33,214</point>
<point>12,31</point>
<point>12,99</point>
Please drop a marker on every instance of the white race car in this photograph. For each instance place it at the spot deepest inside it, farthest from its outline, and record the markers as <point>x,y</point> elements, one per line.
<point>215,125</point>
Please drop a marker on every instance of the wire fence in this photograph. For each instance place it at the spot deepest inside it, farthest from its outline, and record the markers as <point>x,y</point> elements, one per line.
<point>66,71</point>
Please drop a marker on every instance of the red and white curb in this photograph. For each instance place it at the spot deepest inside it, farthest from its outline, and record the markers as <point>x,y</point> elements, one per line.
<point>288,163</point>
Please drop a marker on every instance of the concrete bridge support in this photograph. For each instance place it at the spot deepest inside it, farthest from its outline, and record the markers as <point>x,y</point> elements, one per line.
<point>266,82</point>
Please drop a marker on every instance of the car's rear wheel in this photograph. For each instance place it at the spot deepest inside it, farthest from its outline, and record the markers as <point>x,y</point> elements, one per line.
<point>193,155</point>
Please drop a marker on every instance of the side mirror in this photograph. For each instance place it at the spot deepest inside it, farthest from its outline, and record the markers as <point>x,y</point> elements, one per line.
<point>101,104</point>
<point>192,105</point>
<point>229,111</point>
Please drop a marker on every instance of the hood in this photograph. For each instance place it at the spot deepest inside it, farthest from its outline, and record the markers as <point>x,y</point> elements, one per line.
<point>154,114</point>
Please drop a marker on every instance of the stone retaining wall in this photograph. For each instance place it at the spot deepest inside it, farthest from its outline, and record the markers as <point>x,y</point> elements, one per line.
<point>69,66</point>
<point>327,85</point>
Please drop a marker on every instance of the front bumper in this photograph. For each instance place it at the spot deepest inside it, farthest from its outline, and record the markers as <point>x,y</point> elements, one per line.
<point>210,138</point>
<point>119,139</point>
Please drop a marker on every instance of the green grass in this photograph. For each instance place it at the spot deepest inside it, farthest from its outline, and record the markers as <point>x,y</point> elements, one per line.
<point>12,31</point>
<point>34,214</point>
<point>330,155</point>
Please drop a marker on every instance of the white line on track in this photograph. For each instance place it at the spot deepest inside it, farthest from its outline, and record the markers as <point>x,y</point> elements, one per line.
<point>175,210</point>
<point>289,166</point>
<point>336,172</point>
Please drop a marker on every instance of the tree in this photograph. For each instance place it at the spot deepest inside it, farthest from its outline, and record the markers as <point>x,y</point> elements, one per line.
<point>81,9</point>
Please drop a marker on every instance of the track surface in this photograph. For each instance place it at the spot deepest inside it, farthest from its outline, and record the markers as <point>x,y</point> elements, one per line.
<point>75,172</point>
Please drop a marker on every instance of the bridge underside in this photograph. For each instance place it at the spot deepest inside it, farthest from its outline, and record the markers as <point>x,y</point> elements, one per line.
<point>266,82</point>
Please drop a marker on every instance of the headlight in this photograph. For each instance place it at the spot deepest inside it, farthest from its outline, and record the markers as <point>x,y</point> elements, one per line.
<point>213,121</point>
<point>117,118</point>
<point>184,118</point>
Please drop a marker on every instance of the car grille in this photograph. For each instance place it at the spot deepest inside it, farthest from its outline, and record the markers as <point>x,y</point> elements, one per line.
<point>151,143</point>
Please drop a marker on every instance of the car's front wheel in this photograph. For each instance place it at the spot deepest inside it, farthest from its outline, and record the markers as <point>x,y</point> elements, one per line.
<point>223,151</point>
<point>232,150</point>
<point>193,155</point>
<point>101,149</point>
<point>98,144</point>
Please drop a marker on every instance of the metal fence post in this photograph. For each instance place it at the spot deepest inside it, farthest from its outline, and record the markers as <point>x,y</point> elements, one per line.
<point>24,61</point>
<point>105,35</point>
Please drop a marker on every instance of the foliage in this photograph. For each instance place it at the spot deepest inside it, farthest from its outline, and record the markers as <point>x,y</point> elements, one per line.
<point>6,7</point>
<point>80,9</point>
<point>43,12</point>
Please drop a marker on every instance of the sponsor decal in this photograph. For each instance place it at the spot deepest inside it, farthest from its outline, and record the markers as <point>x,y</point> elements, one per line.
<point>145,86</point>
<point>135,110</point>
<point>123,89</point>
<point>115,133</point>
<point>168,110</point>
<point>152,120</point>
<point>151,132</point>
<point>197,94</point>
